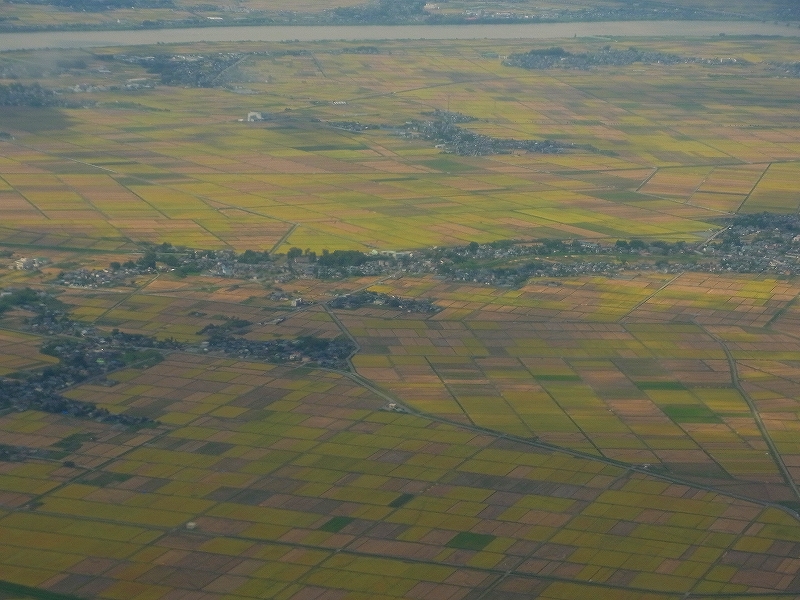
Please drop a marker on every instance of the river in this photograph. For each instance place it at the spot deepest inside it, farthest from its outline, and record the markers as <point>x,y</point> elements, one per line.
<point>90,39</point>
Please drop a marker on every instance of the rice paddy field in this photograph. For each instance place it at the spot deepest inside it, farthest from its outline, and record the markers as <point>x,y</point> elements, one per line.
<point>630,437</point>
<point>152,164</point>
<point>295,484</point>
<point>19,352</point>
<point>641,392</point>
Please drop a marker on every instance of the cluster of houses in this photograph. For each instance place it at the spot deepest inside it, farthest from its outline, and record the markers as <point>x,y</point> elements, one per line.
<point>28,264</point>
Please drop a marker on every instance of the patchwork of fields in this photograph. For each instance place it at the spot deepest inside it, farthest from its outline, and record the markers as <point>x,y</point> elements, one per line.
<point>294,481</point>
<point>645,389</point>
<point>163,167</point>
<point>630,437</point>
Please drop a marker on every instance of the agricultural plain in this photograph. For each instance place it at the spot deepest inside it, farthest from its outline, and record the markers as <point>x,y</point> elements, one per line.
<point>151,164</point>
<point>627,437</point>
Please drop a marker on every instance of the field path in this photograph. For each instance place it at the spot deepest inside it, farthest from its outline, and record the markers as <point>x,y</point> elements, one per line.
<point>345,331</point>
<point>753,189</point>
<point>126,297</point>
<point>773,450</point>
<point>284,237</point>
<point>650,297</point>
<point>342,327</point>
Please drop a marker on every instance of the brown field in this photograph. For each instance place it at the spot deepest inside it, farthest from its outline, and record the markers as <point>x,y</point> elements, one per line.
<point>19,352</point>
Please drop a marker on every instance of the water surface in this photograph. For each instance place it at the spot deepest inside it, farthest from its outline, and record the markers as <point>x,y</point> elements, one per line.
<point>90,39</point>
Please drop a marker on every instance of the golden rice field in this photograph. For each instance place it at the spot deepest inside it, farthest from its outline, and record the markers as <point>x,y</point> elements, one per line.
<point>271,460</point>
<point>641,392</point>
<point>19,351</point>
<point>641,365</point>
<point>297,484</point>
<point>163,168</point>
<point>632,437</point>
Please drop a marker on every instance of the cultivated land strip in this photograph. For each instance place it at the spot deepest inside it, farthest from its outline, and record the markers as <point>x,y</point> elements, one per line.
<point>773,450</point>
<point>650,297</point>
<point>292,226</point>
<point>127,297</point>
<point>284,237</point>
<point>499,574</point>
<point>641,469</point>
<point>753,189</point>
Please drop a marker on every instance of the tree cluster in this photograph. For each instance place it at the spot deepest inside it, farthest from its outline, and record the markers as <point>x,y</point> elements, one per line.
<point>201,71</point>
<point>361,50</point>
<point>463,142</point>
<point>103,5</point>
<point>18,298</point>
<point>558,58</point>
<point>343,258</point>
<point>366,298</point>
<point>34,95</point>
<point>382,11</point>
<point>331,354</point>
<point>79,360</point>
